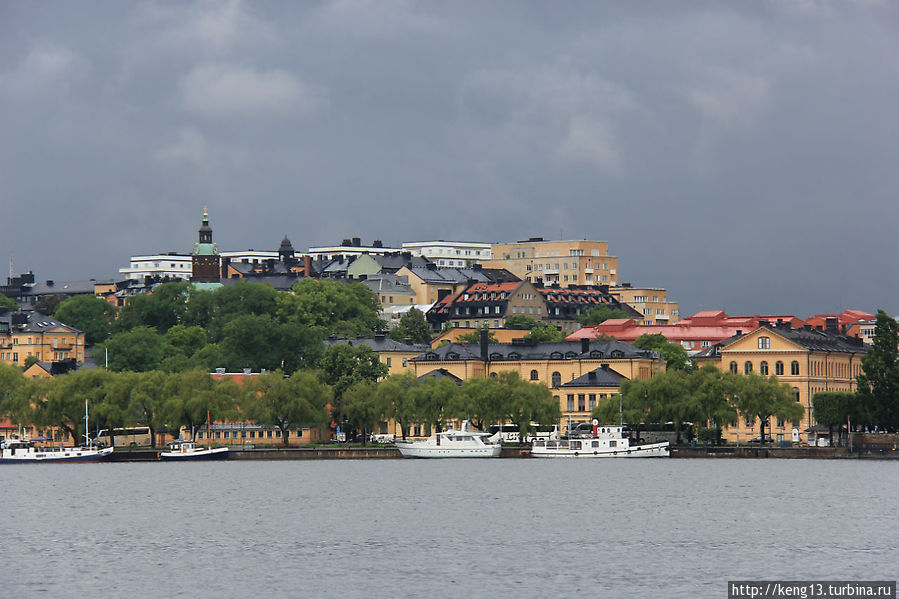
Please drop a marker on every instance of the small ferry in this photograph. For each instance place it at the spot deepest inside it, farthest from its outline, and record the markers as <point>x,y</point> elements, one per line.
<point>182,449</point>
<point>463,443</point>
<point>20,451</point>
<point>604,442</point>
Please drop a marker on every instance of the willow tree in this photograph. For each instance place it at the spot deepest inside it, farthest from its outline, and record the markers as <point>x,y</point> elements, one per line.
<point>275,400</point>
<point>762,397</point>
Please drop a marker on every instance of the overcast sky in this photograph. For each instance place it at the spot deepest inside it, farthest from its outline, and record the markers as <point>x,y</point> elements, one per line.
<point>743,155</point>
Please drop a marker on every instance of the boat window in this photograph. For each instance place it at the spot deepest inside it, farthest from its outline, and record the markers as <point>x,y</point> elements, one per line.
<point>613,443</point>
<point>595,444</point>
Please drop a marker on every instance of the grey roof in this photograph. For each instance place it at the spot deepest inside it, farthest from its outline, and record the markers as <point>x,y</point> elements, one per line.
<point>380,343</point>
<point>30,322</point>
<point>61,287</point>
<point>810,339</point>
<point>601,377</point>
<point>441,373</point>
<point>451,275</point>
<point>388,283</point>
<point>564,350</point>
<point>394,262</point>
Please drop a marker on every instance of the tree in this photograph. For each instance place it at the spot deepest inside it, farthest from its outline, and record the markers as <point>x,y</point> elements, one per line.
<point>597,314</point>
<point>545,332</point>
<point>273,400</point>
<point>6,302</point>
<point>259,342</point>
<point>65,399</point>
<point>714,393</point>
<point>833,409</point>
<point>162,309</point>
<point>878,385</point>
<point>520,322</point>
<point>193,397</point>
<point>397,396</point>
<point>138,350</point>
<point>344,365</point>
<point>763,397</point>
<point>336,308</point>
<point>432,397</point>
<point>30,361</point>
<point>215,310</point>
<point>412,325</point>
<point>362,406</point>
<point>481,400</point>
<point>13,401</point>
<point>674,353</point>
<point>147,399</point>
<point>526,402</point>
<point>88,313</point>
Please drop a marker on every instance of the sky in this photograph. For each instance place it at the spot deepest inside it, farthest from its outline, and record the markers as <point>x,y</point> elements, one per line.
<point>742,155</point>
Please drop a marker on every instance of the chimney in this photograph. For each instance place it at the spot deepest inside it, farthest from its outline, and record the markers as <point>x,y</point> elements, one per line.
<point>591,376</point>
<point>379,337</point>
<point>307,265</point>
<point>484,333</point>
<point>585,345</point>
<point>831,324</point>
<point>377,243</point>
<point>357,242</point>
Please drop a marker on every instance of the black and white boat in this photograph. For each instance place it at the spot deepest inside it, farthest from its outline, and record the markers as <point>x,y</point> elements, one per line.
<point>604,442</point>
<point>182,449</point>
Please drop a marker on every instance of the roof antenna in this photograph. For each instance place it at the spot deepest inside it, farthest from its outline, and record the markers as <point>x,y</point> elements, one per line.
<point>9,281</point>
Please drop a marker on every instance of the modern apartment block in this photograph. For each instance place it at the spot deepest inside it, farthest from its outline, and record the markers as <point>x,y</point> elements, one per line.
<point>574,262</point>
<point>169,264</point>
<point>458,254</point>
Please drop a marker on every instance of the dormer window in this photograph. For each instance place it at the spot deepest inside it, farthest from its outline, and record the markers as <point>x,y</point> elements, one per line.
<point>764,343</point>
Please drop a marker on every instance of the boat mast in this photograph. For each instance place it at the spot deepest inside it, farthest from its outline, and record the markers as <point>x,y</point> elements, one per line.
<point>208,437</point>
<point>87,428</point>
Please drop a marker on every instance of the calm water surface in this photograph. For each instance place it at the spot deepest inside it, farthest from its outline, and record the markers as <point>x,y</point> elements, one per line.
<point>443,528</point>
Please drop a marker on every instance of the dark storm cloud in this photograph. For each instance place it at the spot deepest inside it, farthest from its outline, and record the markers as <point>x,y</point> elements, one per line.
<point>741,155</point>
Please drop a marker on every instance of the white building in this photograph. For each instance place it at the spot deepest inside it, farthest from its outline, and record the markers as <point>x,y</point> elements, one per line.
<point>456,254</point>
<point>252,256</point>
<point>169,264</point>
<point>350,247</point>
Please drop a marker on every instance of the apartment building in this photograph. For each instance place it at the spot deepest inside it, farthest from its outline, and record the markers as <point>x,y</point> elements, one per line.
<point>458,254</point>
<point>650,302</point>
<point>563,263</point>
<point>32,334</point>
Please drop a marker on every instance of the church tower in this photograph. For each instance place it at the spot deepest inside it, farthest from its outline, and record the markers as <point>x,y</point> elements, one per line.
<point>206,262</point>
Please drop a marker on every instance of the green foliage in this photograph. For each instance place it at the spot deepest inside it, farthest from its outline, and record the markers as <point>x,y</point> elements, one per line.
<point>259,342</point>
<point>362,406</point>
<point>344,365</point>
<point>30,361</point>
<point>597,314</point>
<point>65,397</point>
<point>138,350</point>
<point>520,322</point>
<point>274,400</point>
<point>432,398</point>
<point>6,302</point>
<point>763,397</point>
<point>396,394</point>
<point>545,332</point>
<point>48,305</point>
<point>878,385</point>
<point>162,309</point>
<point>674,353</point>
<point>414,326</point>
<point>13,402</point>
<point>348,310</point>
<point>92,315</point>
<point>191,397</point>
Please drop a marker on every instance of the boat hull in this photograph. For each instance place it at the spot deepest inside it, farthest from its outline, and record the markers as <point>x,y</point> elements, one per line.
<point>55,456</point>
<point>653,450</point>
<point>219,453</point>
<point>411,450</point>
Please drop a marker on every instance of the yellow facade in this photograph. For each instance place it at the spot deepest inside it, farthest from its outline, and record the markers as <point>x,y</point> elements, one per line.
<point>429,292</point>
<point>50,345</point>
<point>807,371</point>
<point>651,302</point>
<point>575,262</point>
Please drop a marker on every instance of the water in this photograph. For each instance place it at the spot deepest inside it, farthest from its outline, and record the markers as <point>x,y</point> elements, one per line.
<point>443,528</point>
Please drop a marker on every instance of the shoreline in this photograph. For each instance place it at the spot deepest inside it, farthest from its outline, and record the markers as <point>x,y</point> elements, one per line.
<point>391,453</point>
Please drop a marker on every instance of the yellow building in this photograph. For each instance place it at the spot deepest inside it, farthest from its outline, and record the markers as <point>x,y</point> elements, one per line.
<point>395,355</point>
<point>650,302</point>
<point>576,262</point>
<point>32,334</point>
<point>564,367</point>
<point>808,360</point>
<point>431,284</point>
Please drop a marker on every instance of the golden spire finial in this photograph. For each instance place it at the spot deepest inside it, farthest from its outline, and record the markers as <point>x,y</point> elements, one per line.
<point>205,213</point>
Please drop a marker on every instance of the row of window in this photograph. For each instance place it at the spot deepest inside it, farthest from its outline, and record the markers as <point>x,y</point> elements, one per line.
<point>248,434</point>
<point>763,368</point>
<point>816,368</point>
<point>585,401</point>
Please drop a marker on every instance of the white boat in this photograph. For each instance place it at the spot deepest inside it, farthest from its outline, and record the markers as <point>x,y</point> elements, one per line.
<point>604,442</point>
<point>451,443</point>
<point>20,451</point>
<point>182,449</point>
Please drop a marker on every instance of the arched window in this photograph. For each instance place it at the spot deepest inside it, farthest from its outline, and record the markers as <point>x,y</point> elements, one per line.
<point>778,368</point>
<point>556,379</point>
<point>733,367</point>
<point>747,368</point>
<point>796,394</point>
<point>764,342</point>
<point>763,368</point>
<point>534,376</point>
<point>794,368</point>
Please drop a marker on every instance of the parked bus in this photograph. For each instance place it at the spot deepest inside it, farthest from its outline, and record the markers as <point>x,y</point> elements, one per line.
<point>133,436</point>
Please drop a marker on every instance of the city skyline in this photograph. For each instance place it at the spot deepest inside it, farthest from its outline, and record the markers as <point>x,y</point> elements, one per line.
<point>739,155</point>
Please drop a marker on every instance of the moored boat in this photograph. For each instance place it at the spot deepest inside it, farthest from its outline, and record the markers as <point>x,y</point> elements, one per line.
<point>182,449</point>
<point>20,451</point>
<point>604,442</point>
<point>463,443</point>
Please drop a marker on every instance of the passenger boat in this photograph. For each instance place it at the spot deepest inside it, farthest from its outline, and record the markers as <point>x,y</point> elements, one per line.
<point>182,449</point>
<point>463,443</point>
<point>604,442</point>
<point>20,451</point>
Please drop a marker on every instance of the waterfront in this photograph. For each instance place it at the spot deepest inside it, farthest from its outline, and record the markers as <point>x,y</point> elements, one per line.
<point>384,528</point>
